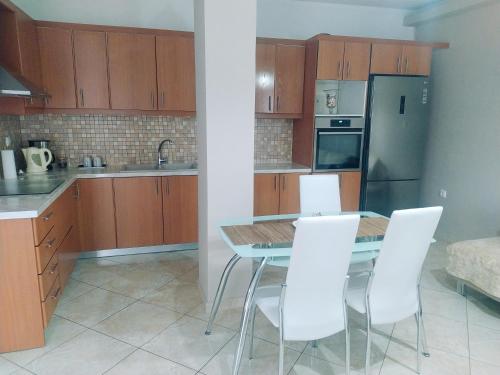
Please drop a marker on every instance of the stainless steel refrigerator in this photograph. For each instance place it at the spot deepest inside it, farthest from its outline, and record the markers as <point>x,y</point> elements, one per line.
<point>395,147</point>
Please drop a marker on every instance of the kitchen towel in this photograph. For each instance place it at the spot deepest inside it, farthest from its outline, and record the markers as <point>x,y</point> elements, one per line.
<point>8,164</point>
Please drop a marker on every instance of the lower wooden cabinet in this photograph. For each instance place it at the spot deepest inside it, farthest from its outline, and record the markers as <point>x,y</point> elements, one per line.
<point>138,211</point>
<point>96,214</point>
<point>350,186</point>
<point>276,193</point>
<point>180,209</point>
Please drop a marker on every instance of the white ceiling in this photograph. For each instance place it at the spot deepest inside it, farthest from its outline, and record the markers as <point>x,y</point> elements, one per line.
<point>402,4</point>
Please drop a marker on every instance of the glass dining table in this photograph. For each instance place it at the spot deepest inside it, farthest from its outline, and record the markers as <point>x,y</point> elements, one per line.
<point>268,241</point>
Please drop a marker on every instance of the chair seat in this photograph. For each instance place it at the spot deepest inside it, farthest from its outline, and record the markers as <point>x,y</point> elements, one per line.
<point>356,291</point>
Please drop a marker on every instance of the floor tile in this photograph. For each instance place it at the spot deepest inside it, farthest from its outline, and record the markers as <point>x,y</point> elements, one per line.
<point>175,262</point>
<point>92,307</point>
<point>483,311</point>
<point>308,365</point>
<point>484,344</point>
<point>88,353</point>
<point>401,359</point>
<point>448,305</point>
<point>481,368</point>
<point>138,323</point>
<point>438,279</point>
<point>229,314</point>
<point>59,331</point>
<point>144,363</point>
<point>184,342</point>
<point>437,257</point>
<point>176,295</point>
<point>136,281</point>
<point>7,367</point>
<point>265,361</point>
<point>191,276</point>
<point>75,288</point>
<point>21,371</point>
<point>443,334</point>
<point>95,271</point>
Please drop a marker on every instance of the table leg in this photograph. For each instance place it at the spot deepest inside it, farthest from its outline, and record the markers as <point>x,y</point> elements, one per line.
<point>220,291</point>
<point>249,300</point>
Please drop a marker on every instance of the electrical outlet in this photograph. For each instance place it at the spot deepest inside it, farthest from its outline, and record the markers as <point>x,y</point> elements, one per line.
<point>443,193</point>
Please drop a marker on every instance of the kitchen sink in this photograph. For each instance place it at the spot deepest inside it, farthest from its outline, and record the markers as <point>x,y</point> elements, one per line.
<point>156,167</point>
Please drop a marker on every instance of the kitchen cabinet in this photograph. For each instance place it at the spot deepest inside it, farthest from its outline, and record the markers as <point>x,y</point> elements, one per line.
<point>264,77</point>
<point>276,193</point>
<point>350,186</point>
<point>132,71</point>
<point>58,75</point>
<point>91,69</point>
<point>289,81</point>
<point>138,211</point>
<point>338,60</point>
<point>96,214</point>
<point>401,59</point>
<point>175,73</point>
<point>180,209</point>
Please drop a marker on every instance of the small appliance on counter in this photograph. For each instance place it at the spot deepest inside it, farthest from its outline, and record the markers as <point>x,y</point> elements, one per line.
<point>37,159</point>
<point>8,161</point>
<point>41,143</point>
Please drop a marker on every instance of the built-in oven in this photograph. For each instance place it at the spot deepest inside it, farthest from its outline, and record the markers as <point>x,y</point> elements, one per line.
<point>338,144</point>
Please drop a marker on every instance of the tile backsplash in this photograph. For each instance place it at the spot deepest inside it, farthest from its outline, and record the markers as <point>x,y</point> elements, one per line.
<point>121,139</point>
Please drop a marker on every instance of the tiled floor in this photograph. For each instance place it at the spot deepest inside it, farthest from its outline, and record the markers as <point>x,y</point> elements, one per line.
<point>143,314</point>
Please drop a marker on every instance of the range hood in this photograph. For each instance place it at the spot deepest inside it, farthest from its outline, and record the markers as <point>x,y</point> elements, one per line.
<point>14,85</point>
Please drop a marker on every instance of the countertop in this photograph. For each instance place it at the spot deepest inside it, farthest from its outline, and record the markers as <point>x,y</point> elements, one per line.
<point>30,206</point>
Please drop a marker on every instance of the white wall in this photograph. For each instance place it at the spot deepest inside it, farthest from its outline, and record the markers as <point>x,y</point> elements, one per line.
<point>463,153</point>
<point>275,18</point>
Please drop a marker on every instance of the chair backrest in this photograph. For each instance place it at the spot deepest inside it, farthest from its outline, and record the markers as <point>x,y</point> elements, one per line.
<point>313,300</point>
<point>394,291</point>
<point>319,194</point>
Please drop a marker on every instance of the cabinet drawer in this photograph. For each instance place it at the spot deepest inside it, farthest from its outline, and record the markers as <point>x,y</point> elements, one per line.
<point>49,305</point>
<point>44,223</point>
<point>48,247</point>
<point>47,278</point>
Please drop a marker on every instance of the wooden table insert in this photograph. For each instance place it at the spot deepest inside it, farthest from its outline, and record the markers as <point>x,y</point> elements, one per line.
<point>283,231</point>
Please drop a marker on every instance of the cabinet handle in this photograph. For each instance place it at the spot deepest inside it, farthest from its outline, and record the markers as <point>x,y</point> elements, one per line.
<point>278,103</point>
<point>156,181</point>
<point>168,186</point>
<point>406,65</point>
<point>56,294</point>
<point>163,98</point>
<point>82,97</point>
<point>339,69</point>
<point>50,243</point>
<point>348,69</point>
<point>53,269</point>
<point>269,103</point>
<point>152,100</point>
<point>77,192</point>
<point>284,182</point>
<point>275,182</point>
<point>399,65</point>
<point>48,216</point>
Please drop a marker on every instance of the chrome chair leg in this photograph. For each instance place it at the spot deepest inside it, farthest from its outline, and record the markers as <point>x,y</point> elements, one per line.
<point>281,364</point>
<point>249,301</point>
<point>419,350</point>
<point>347,346</point>
<point>425,348</point>
<point>314,343</point>
<point>252,329</point>
<point>368,345</point>
<point>220,291</point>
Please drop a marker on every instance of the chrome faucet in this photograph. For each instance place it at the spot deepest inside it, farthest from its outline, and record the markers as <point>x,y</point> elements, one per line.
<point>160,160</point>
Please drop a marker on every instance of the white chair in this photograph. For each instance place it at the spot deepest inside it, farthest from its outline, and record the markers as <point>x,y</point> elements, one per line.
<point>319,194</point>
<point>311,305</point>
<point>392,291</point>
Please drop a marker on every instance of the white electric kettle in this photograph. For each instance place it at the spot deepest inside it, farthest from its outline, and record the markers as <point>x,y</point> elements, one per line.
<point>37,159</point>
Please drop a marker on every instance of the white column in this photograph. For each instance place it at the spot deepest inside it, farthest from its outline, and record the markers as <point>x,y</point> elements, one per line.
<point>225,32</point>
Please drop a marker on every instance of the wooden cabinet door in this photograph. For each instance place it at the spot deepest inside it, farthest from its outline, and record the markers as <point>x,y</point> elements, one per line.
<point>289,79</point>
<point>132,71</point>
<point>417,60</point>
<point>266,194</point>
<point>180,209</point>
<point>289,193</point>
<point>350,185</point>
<point>386,58</point>
<point>91,69</point>
<point>264,78</point>
<point>68,254</point>
<point>138,211</point>
<point>96,214</point>
<point>330,59</point>
<point>176,73</point>
<point>56,56</point>
<point>357,61</point>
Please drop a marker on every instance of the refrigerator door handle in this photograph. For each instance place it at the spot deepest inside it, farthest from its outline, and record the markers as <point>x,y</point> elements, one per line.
<point>402,105</point>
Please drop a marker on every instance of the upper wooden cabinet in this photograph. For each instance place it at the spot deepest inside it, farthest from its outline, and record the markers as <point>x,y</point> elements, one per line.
<point>401,59</point>
<point>338,60</point>
<point>91,69</point>
<point>132,71</point>
<point>58,74</point>
<point>138,211</point>
<point>289,82</point>
<point>175,73</point>
<point>264,77</point>
<point>180,209</point>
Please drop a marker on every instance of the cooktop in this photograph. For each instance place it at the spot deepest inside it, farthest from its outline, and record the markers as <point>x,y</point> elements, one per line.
<point>29,186</point>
